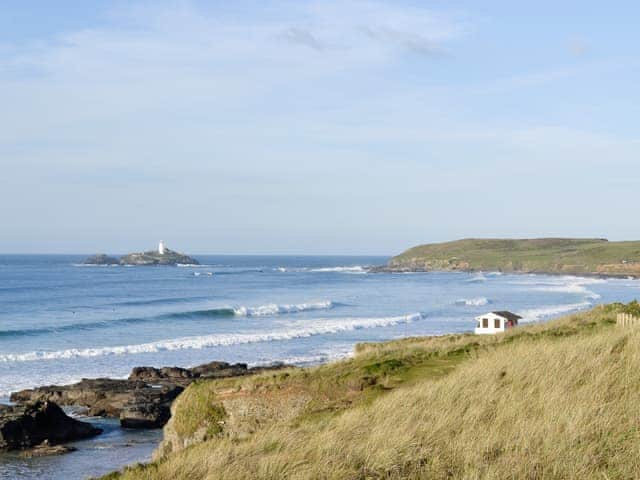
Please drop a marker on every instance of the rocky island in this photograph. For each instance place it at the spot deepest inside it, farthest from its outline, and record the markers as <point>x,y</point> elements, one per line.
<point>567,256</point>
<point>161,256</point>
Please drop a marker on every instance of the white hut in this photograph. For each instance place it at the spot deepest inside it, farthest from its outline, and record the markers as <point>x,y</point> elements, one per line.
<point>495,322</point>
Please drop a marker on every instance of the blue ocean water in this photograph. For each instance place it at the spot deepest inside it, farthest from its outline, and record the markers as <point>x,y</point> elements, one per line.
<point>60,321</point>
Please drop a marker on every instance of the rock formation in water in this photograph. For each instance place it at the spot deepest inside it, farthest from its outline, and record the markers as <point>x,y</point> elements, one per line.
<point>40,423</point>
<point>101,259</point>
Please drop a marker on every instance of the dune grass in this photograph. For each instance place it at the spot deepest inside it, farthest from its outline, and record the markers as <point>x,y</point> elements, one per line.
<point>555,400</point>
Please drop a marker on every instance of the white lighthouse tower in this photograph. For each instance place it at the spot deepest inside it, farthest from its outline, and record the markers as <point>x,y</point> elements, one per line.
<point>161,248</point>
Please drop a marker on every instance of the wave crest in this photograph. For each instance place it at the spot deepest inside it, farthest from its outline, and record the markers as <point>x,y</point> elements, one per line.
<point>274,309</point>
<point>537,314</point>
<point>477,278</point>
<point>473,302</point>
<point>354,269</point>
<point>241,311</point>
<point>324,327</point>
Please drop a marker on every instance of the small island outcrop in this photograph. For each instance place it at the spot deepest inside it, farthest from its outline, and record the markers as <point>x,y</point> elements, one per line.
<point>161,256</point>
<point>101,259</point>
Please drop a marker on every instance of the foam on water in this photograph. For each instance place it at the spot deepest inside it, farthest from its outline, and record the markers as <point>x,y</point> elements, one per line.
<point>304,360</point>
<point>542,313</point>
<point>274,309</point>
<point>473,302</point>
<point>194,265</point>
<point>573,285</point>
<point>353,269</point>
<point>477,278</point>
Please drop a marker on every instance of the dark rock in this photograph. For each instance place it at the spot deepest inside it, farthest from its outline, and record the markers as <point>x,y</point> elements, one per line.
<point>146,410</point>
<point>180,376</point>
<point>143,400</point>
<point>101,259</point>
<point>184,376</point>
<point>25,426</point>
<point>221,370</point>
<point>101,396</point>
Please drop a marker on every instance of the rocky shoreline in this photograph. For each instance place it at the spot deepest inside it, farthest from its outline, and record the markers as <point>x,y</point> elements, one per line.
<point>37,425</point>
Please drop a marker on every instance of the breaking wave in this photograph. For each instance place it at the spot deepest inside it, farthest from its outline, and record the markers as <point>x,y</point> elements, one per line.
<point>537,314</point>
<point>477,278</point>
<point>323,327</point>
<point>354,269</point>
<point>242,311</point>
<point>473,302</point>
<point>196,265</point>
<point>273,309</point>
<point>573,285</point>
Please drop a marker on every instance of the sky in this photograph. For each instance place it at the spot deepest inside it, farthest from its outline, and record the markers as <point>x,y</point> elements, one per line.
<point>315,127</point>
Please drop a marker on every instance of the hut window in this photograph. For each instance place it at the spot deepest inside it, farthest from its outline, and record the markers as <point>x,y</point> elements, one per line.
<point>496,323</point>
<point>485,323</point>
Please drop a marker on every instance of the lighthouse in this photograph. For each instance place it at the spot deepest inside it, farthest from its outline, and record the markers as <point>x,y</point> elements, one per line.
<point>161,248</point>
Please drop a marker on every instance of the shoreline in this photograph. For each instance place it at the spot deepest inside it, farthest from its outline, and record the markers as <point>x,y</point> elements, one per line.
<point>603,276</point>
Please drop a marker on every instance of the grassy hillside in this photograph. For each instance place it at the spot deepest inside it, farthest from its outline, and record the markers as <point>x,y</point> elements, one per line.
<point>555,400</point>
<point>552,255</point>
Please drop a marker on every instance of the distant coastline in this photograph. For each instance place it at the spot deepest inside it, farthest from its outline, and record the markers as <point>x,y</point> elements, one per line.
<point>549,256</point>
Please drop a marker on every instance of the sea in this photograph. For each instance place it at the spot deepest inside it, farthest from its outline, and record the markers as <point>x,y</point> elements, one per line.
<point>61,321</point>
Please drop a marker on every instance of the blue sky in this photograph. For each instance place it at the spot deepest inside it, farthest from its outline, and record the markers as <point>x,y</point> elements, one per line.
<point>315,127</point>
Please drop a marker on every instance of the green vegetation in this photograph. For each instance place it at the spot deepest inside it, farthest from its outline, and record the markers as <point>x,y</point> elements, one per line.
<point>549,255</point>
<point>632,308</point>
<point>554,400</point>
<point>199,410</point>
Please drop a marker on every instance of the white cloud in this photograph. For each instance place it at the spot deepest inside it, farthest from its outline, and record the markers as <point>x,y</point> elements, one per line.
<point>156,61</point>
